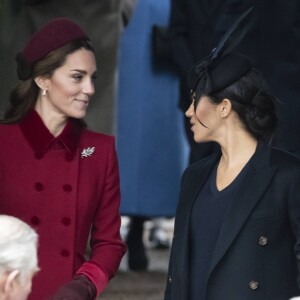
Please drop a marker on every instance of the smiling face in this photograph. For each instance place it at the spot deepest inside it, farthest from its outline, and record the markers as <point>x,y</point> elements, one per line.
<point>69,89</point>
<point>204,119</point>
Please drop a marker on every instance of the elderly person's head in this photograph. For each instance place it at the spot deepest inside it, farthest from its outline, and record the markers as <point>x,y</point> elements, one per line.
<point>18,258</point>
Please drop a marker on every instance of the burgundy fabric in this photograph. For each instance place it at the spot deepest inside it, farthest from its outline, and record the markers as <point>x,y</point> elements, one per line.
<point>51,36</point>
<point>48,190</point>
<point>40,138</point>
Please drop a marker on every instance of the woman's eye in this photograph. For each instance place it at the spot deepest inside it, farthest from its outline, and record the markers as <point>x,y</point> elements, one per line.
<point>77,77</point>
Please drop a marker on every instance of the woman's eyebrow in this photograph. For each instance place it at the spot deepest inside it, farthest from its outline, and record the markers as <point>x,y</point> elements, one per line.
<point>80,71</point>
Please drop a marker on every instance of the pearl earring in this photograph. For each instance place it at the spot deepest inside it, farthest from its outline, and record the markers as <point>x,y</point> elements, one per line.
<point>44,93</point>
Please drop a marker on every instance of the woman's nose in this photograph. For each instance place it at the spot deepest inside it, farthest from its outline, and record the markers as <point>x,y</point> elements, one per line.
<point>89,88</point>
<point>190,111</point>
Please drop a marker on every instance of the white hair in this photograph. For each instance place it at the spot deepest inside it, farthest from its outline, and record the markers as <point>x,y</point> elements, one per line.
<point>18,247</point>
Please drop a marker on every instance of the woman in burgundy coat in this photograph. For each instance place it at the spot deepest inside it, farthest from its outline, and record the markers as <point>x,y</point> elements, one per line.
<point>56,175</point>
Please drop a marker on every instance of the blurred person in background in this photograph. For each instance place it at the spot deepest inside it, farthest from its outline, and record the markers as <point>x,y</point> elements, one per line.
<point>18,258</point>
<point>57,175</point>
<point>152,150</point>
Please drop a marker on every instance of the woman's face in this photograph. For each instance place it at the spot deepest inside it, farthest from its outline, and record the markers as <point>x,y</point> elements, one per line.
<point>71,86</point>
<point>204,120</point>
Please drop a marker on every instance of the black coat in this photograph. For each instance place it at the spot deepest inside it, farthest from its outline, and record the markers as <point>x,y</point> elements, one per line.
<point>253,257</point>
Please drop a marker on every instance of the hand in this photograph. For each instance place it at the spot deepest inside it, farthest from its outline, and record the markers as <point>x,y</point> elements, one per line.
<point>80,288</point>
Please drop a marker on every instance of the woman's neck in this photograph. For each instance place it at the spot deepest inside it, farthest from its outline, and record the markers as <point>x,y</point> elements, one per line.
<point>237,149</point>
<point>52,120</point>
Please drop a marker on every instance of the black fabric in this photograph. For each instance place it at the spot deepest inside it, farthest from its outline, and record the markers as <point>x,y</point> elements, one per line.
<point>196,27</point>
<point>206,220</point>
<point>206,78</point>
<point>266,203</point>
<point>222,67</point>
<point>161,48</point>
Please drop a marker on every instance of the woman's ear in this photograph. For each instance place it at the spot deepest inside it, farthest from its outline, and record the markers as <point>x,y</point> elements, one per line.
<point>10,281</point>
<point>42,82</point>
<point>225,108</point>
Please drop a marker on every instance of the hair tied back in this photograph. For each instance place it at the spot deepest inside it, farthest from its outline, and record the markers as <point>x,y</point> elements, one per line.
<point>23,68</point>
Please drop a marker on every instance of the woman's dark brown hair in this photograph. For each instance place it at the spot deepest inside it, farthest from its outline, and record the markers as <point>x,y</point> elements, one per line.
<point>255,106</point>
<point>23,97</point>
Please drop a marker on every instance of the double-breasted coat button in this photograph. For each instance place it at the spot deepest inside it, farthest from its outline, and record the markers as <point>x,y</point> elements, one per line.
<point>253,285</point>
<point>38,186</point>
<point>65,253</point>
<point>263,240</point>
<point>66,221</point>
<point>35,220</point>
<point>67,187</point>
<point>170,279</point>
<point>38,156</point>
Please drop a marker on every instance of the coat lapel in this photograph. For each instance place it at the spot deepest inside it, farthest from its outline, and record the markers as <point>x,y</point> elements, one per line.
<point>196,178</point>
<point>248,194</point>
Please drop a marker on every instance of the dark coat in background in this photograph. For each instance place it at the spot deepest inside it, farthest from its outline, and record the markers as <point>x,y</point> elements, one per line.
<point>277,41</point>
<point>253,257</point>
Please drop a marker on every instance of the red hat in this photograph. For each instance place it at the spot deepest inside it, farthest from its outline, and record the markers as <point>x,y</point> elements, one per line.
<point>51,36</point>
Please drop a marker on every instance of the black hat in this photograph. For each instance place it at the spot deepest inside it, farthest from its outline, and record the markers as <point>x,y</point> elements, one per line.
<point>222,67</point>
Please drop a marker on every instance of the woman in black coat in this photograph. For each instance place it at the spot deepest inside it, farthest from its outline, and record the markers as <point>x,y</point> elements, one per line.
<point>237,228</point>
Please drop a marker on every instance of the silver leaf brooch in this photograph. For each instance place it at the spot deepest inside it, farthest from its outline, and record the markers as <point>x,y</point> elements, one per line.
<point>86,152</point>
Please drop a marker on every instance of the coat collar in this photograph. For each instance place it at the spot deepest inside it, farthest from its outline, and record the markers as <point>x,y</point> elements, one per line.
<point>192,182</point>
<point>41,139</point>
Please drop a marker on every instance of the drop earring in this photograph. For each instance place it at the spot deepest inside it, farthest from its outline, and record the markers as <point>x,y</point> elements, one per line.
<point>44,93</point>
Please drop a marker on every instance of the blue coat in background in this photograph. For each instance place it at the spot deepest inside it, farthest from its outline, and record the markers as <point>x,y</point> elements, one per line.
<point>151,144</point>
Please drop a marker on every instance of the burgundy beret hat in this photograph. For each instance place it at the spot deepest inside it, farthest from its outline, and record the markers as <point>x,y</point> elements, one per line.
<point>50,37</point>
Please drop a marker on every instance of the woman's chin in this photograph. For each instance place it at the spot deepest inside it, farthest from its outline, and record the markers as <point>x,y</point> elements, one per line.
<point>200,140</point>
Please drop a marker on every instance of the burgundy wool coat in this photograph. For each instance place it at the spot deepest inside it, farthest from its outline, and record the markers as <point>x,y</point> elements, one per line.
<point>65,188</point>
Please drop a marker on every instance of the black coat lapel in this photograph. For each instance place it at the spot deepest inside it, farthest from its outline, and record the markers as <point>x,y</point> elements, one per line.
<point>248,194</point>
<point>196,177</point>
